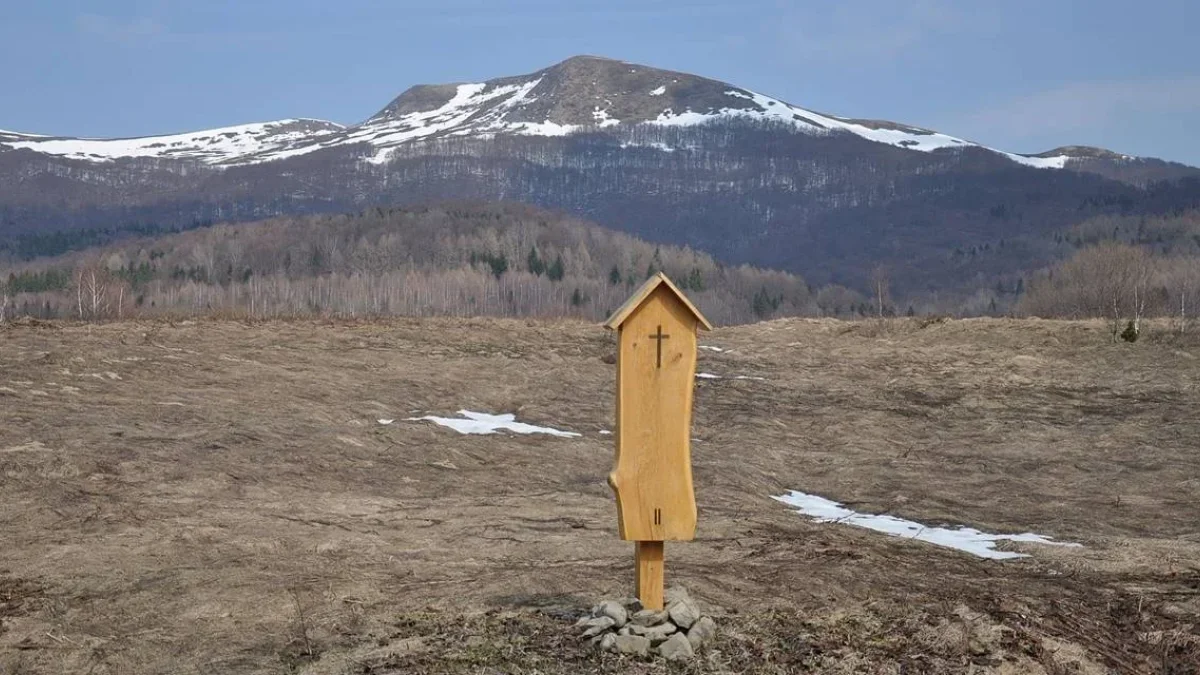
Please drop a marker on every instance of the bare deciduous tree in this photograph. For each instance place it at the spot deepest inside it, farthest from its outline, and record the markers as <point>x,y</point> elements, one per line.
<point>98,294</point>
<point>879,287</point>
<point>1110,280</point>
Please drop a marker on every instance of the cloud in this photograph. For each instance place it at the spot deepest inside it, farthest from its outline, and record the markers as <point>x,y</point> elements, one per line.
<point>1082,107</point>
<point>113,29</point>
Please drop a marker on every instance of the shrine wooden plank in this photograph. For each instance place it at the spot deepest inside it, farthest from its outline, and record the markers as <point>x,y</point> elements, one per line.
<point>649,573</point>
<point>656,367</point>
<point>639,296</point>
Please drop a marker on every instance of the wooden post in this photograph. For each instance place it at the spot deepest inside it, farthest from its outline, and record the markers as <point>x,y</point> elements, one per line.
<point>652,475</point>
<point>649,568</point>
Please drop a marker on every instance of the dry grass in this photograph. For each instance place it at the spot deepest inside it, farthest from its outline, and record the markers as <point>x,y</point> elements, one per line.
<point>217,497</point>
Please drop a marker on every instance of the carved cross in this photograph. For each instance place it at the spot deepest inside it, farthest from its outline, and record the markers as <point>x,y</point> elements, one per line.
<point>660,337</point>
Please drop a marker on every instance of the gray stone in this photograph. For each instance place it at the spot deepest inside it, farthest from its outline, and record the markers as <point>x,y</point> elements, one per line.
<point>675,593</point>
<point>598,625</point>
<point>676,648</point>
<point>648,617</point>
<point>631,604</point>
<point>656,634</point>
<point>608,642</point>
<point>702,631</point>
<point>625,630</point>
<point>633,644</point>
<point>614,611</point>
<point>683,612</point>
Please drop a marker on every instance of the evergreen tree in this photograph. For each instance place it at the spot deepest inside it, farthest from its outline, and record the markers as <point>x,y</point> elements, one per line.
<point>614,276</point>
<point>499,264</point>
<point>1130,334</point>
<point>37,282</point>
<point>536,265</point>
<point>555,271</point>
<point>764,304</point>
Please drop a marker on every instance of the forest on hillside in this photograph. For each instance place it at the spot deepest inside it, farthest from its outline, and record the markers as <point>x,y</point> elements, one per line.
<point>1123,269</point>
<point>828,207</point>
<point>448,259</point>
<point>504,259</point>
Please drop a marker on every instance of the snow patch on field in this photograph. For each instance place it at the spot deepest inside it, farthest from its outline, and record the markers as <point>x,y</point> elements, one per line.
<point>967,539</point>
<point>710,376</point>
<point>483,423</point>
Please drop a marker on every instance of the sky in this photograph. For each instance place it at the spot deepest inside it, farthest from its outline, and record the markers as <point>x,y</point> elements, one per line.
<point>1019,75</point>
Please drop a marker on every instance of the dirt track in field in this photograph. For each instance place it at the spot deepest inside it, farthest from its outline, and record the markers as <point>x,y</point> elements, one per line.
<point>218,497</point>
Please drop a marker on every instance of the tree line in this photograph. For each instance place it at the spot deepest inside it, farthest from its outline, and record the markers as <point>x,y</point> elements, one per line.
<point>457,258</point>
<point>476,258</point>
<point>1120,282</point>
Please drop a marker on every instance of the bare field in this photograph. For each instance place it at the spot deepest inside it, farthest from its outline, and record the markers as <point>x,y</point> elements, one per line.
<point>219,497</point>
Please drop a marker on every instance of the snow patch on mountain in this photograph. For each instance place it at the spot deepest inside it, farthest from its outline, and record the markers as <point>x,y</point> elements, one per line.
<point>482,110</point>
<point>1056,162</point>
<point>214,146</point>
<point>468,110</point>
<point>655,145</point>
<point>17,135</point>
<point>539,129</point>
<point>602,118</point>
<point>769,109</point>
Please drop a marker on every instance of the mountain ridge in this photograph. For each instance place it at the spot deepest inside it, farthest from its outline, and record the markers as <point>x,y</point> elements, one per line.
<point>577,95</point>
<point>665,156</point>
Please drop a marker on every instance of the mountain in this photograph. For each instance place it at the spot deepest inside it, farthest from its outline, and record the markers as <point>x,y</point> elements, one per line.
<point>667,156</point>
<point>581,94</point>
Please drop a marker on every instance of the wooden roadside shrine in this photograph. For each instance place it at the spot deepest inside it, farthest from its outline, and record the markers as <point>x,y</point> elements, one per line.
<point>652,475</point>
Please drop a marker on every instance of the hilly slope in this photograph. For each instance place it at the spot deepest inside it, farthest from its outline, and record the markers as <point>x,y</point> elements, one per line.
<point>667,156</point>
<point>445,259</point>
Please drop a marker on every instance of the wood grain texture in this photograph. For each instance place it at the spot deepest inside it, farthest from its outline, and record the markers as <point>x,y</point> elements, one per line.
<point>649,571</point>
<point>652,476</point>
<point>639,296</point>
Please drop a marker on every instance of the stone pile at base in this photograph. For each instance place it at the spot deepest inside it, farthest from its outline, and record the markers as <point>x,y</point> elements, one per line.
<point>676,633</point>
